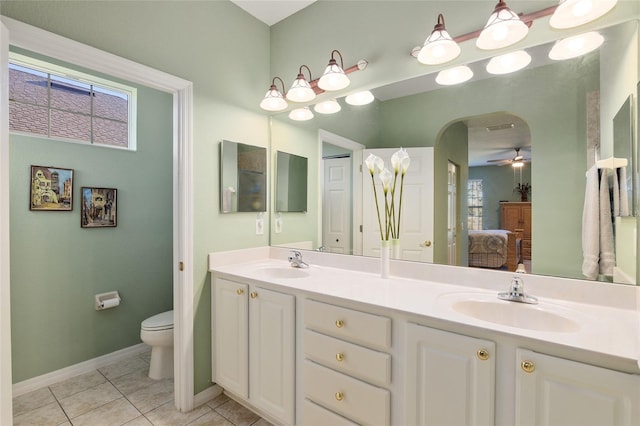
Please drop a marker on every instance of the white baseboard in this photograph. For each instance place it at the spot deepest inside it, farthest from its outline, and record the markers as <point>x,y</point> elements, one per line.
<point>47,379</point>
<point>206,395</point>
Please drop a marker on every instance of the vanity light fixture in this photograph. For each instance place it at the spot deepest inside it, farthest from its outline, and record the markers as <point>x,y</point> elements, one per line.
<point>301,90</point>
<point>439,47</point>
<point>330,106</point>
<point>455,75</point>
<point>575,46</point>
<point>503,29</point>
<point>301,114</point>
<point>360,98</point>
<point>509,62</point>
<point>334,77</point>
<point>572,13</point>
<point>273,100</point>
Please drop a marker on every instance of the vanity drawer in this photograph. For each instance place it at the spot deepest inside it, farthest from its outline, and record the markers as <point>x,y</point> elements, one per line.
<point>315,415</point>
<point>355,326</point>
<point>352,398</point>
<point>363,363</point>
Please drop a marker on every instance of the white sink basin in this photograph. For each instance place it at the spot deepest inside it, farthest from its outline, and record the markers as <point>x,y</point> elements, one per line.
<point>283,272</point>
<point>541,317</point>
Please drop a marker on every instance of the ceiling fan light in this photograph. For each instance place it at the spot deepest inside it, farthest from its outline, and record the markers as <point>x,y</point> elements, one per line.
<point>517,164</point>
<point>301,114</point>
<point>503,29</point>
<point>509,62</point>
<point>575,46</point>
<point>330,106</point>
<point>573,13</point>
<point>454,75</point>
<point>360,98</point>
<point>439,47</point>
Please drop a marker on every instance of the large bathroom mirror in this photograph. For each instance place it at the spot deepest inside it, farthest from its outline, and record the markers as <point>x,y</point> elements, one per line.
<point>243,177</point>
<point>291,183</point>
<point>551,111</point>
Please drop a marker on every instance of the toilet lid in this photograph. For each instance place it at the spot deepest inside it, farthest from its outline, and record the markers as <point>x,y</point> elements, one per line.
<point>161,321</point>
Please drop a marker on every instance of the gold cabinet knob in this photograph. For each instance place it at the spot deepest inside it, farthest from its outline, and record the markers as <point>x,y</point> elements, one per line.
<point>339,396</point>
<point>254,294</point>
<point>339,323</point>
<point>483,354</point>
<point>339,357</point>
<point>528,366</point>
<point>239,292</point>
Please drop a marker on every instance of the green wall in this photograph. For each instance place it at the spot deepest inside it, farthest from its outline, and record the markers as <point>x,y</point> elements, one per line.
<point>57,267</point>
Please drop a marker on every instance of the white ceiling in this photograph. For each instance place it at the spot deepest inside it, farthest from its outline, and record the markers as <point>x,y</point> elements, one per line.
<point>272,11</point>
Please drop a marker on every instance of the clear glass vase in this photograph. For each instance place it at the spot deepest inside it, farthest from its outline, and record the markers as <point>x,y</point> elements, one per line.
<point>385,255</point>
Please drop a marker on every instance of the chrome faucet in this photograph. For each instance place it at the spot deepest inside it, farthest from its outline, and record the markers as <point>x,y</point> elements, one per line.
<point>296,260</point>
<point>516,291</point>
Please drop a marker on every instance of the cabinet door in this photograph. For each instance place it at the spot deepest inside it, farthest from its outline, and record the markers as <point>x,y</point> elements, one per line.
<point>555,391</point>
<point>526,220</point>
<point>272,357</point>
<point>231,347</point>
<point>450,378</point>
<point>511,218</point>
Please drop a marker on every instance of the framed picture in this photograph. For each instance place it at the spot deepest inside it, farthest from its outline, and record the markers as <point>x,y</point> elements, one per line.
<point>99,207</point>
<point>51,189</point>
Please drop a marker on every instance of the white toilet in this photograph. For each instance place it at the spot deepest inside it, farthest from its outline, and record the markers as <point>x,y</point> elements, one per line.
<point>157,332</point>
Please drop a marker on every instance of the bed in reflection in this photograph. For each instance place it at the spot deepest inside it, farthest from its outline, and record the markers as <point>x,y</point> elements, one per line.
<point>494,248</point>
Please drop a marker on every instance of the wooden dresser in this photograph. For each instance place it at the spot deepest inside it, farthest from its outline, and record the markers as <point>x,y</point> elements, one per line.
<point>516,217</point>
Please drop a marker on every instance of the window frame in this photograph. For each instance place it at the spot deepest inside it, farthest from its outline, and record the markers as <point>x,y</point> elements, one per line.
<point>83,78</point>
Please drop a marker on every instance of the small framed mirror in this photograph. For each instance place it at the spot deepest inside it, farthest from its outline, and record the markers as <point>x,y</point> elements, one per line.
<point>243,177</point>
<point>291,182</point>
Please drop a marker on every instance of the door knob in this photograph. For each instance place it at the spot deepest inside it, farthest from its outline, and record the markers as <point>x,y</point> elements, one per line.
<point>427,243</point>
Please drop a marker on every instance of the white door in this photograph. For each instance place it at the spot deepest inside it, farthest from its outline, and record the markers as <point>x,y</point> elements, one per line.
<point>231,325</point>
<point>336,205</point>
<point>272,353</point>
<point>5,312</point>
<point>554,391</point>
<point>450,378</point>
<point>452,222</point>
<point>416,224</point>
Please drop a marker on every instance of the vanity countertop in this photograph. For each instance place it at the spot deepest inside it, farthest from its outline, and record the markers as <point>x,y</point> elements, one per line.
<point>606,326</point>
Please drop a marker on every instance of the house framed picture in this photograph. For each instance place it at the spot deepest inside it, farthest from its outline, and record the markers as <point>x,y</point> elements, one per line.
<point>51,189</point>
<point>99,207</point>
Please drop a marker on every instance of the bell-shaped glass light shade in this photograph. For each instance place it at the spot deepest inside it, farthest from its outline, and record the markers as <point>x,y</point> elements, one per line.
<point>575,46</point>
<point>333,78</point>
<point>301,90</point>
<point>509,62</point>
<point>360,98</point>
<point>273,100</point>
<point>330,106</point>
<point>503,29</point>
<point>454,75</point>
<point>439,47</point>
<point>572,13</point>
<point>301,114</point>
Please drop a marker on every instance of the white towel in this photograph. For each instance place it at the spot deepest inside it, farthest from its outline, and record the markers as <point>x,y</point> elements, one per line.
<point>616,193</point>
<point>591,226</point>
<point>607,252</point>
<point>624,193</point>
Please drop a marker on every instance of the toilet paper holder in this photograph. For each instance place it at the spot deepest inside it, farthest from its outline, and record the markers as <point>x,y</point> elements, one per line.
<point>107,300</point>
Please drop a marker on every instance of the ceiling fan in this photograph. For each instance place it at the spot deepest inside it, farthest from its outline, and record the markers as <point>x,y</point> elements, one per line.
<point>517,161</point>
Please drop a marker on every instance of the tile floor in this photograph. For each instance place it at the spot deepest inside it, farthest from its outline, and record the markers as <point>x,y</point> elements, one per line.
<point>122,394</point>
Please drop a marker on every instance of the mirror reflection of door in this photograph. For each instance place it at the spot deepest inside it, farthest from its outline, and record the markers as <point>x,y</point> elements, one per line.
<point>416,227</point>
<point>336,205</point>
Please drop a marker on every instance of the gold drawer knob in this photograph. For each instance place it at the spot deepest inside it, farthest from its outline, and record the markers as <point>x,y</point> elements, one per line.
<point>254,294</point>
<point>239,292</point>
<point>339,357</point>
<point>483,354</point>
<point>339,323</point>
<point>339,396</point>
<point>528,366</point>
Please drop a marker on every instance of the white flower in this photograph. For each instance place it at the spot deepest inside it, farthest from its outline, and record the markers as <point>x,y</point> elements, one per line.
<point>386,177</point>
<point>400,161</point>
<point>374,162</point>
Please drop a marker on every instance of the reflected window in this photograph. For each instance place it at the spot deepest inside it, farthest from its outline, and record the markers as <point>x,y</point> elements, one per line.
<point>474,201</point>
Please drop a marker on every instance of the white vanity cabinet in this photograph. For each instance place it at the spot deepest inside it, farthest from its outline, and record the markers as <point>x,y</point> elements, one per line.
<point>558,392</point>
<point>346,370</point>
<point>254,346</point>
<point>450,378</point>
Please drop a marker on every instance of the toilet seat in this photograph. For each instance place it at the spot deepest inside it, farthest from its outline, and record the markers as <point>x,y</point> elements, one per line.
<point>159,322</point>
